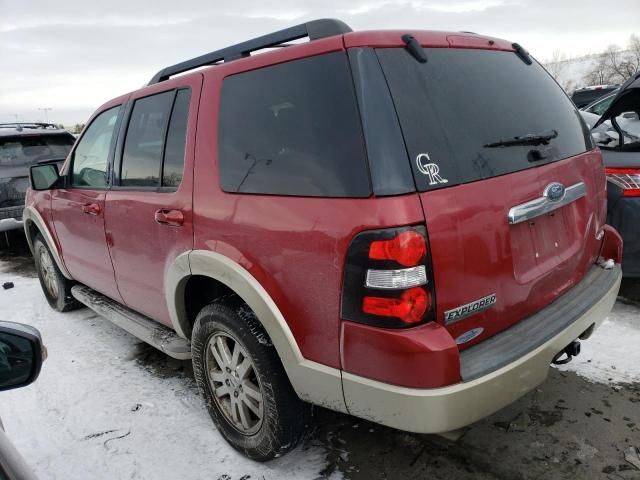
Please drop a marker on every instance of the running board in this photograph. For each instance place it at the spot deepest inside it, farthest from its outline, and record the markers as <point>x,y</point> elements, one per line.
<point>147,330</point>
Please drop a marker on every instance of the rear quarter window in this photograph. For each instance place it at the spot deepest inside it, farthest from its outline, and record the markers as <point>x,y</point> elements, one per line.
<point>461,100</point>
<point>293,129</point>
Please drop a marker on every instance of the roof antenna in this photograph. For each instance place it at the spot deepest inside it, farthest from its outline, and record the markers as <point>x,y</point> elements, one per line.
<point>414,48</point>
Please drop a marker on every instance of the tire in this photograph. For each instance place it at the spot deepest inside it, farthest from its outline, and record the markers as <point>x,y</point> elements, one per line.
<point>261,430</point>
<point>56,288</point>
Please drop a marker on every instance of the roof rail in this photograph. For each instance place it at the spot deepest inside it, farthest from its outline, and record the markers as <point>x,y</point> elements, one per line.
<point>20,125</point>
<point>315,29</point>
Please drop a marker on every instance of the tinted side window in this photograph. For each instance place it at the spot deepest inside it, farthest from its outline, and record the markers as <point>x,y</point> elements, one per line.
<point>176,137</point>
<point>142,155</point>
<point>91,156</point>
<point>293,129</point>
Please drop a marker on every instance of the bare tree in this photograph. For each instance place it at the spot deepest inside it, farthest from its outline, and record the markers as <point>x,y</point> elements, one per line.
<point>557,63</point>
<point>624,64</point>
<point>601,72</point>
<point>634,52</point>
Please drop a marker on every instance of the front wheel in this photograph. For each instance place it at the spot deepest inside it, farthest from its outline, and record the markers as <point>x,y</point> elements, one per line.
<point>246,389</point>
<point>56,288</point>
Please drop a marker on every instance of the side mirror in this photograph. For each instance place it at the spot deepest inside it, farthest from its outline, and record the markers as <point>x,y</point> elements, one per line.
<point>44,177</point>
<point>21,355</point>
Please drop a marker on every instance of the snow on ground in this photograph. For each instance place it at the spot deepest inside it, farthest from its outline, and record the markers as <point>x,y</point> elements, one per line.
<point>612,354</point>
<point>99,412</point>
<point>96,413</point>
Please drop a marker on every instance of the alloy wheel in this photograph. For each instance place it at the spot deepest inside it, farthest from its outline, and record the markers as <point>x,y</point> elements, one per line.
<point>232,377</point>
<point>48,272</point>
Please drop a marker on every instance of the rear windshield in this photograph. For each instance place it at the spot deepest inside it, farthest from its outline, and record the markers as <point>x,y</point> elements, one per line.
<point>29,149</point>
<point>455,108</point>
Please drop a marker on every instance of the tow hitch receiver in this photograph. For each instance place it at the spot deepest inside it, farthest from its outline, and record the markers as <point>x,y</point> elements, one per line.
<point>570,351</point>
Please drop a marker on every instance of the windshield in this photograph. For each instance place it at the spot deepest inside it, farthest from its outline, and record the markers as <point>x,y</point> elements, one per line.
<point>27,150</point>
<point>468,115</point>
<point>601,106</point>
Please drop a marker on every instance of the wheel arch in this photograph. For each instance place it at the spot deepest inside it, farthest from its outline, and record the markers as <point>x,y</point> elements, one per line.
<point>312,381</point>
<point>34,224</point>
<point>229,277</point>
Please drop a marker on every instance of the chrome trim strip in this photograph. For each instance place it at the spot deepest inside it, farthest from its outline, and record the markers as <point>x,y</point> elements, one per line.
<point>540,206</point>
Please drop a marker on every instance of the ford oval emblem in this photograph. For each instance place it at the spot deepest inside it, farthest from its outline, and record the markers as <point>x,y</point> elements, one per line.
<point>470,335</point>
<point>554,191</point>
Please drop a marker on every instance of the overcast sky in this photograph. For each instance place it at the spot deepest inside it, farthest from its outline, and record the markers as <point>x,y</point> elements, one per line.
<point>73,55</point>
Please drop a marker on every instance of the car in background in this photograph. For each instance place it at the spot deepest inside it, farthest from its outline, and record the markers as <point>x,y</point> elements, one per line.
<point>584,96</point>
<point>617,132</point>
<point>21,356</point>
<point>599,106</point>
<point>21,146</point>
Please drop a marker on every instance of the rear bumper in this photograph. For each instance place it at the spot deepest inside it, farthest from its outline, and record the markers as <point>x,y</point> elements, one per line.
<point>496,384</point>
<point>624,216</point>
<point>11,218</point>
<point>7,224</point>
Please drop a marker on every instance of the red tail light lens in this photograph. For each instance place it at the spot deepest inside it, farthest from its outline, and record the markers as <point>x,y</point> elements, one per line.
<point>409,308</point>
<point>628,179</point>
<point>388,278</point>
<point>407,248</point>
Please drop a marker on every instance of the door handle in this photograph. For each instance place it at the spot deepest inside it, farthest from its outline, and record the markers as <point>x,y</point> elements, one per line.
<point>166,216</point>
<point>91,208</point>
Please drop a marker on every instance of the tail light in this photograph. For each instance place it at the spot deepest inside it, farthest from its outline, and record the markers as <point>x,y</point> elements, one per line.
<point>628,179</point>
<point>388,279</point>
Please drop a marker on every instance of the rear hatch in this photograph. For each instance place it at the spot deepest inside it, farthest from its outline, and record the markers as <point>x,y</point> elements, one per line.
<point>487,131</point>
<point>17,154</point>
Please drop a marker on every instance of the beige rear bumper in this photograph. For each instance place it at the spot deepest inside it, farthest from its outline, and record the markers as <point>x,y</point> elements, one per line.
<point>450,408</point>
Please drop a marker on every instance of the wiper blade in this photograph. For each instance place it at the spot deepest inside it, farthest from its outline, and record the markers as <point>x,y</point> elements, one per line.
<point>529,139</point>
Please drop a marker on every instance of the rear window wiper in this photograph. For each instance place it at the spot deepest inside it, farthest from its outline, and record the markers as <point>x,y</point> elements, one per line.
<point>529,139</point>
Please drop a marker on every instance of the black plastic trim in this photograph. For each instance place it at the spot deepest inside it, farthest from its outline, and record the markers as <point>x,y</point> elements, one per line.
<point>527,335</point>
<point>389,163</point>
<point>353,287</point>
<point>315,29</point>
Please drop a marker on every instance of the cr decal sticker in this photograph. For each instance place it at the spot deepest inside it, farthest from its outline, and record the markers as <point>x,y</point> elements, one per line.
<point>430,169</point>
<point>468,336</point>
<point>464,311</point>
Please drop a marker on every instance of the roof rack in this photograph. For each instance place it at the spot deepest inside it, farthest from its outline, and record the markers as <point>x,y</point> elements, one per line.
<point>30,125</point>
<point>315,29</point>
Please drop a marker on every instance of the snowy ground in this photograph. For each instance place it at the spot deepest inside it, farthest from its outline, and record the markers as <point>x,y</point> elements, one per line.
<point>108,407</point>
<point>98,412</point>
<point>612,355</point>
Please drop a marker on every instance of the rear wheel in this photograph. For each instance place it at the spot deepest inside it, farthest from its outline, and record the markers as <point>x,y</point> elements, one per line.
<point>56,288</point>
<point>246,389</point>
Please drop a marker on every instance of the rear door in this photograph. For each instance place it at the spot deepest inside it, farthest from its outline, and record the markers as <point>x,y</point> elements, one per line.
<point>78,207</point>
<point>512,223</point>
<point>149,207</point>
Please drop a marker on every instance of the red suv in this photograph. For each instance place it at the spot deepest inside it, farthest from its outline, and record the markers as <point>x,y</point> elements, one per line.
<point>408,227</point>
